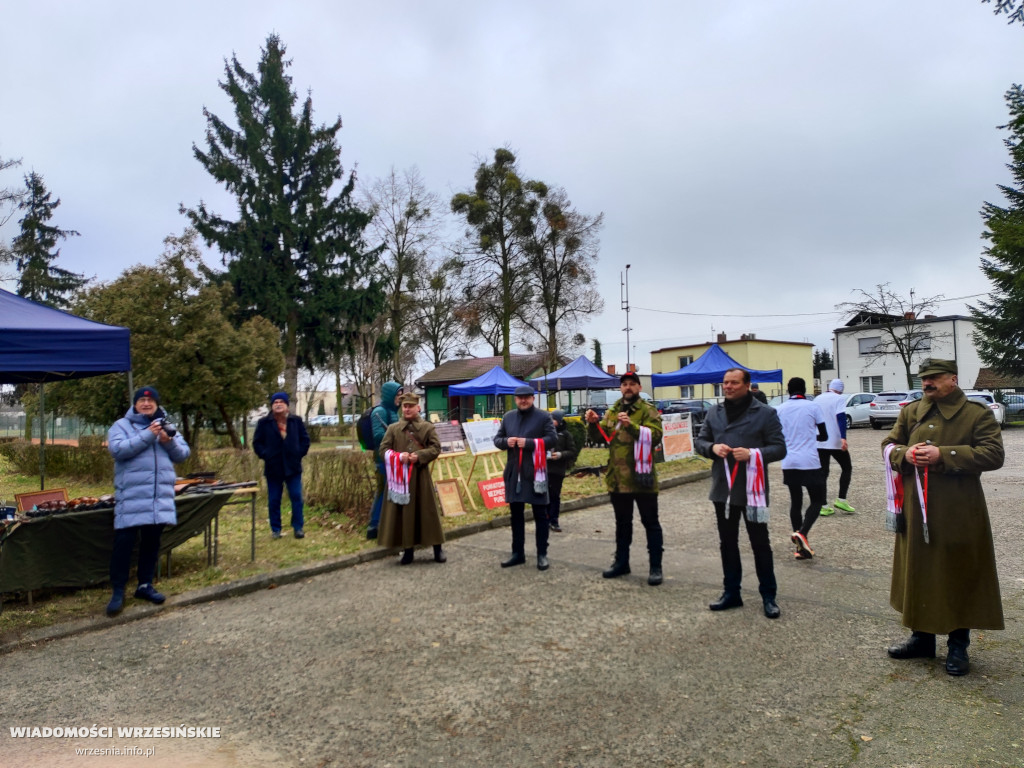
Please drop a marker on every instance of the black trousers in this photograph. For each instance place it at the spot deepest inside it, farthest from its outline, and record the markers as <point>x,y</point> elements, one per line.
<point>540,521</point>
<point>121,558</point>
<point>555,483</point>
<point>796,480</point>
<point>729,540</point>
<point>845,468</point>
<point>647,505</point>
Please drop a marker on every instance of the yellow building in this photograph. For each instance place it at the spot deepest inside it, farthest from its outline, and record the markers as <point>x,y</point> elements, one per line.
<point>795,358</point>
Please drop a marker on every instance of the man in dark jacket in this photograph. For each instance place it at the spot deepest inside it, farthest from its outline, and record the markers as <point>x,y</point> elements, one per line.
<point>526,434</point>
<point>944,578</point>
<point>730,432</point>
<point>281,441</point>
<point>562,456</point>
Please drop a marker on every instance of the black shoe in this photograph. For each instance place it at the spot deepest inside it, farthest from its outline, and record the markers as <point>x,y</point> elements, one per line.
<point>542,563</point>
<point>920,645</point>
<point>518,558</point>
<point>619,568</point>
<point>439,555</point>
<point>555,527</point>
<point>957,662</point>
<point>726,601</point>
<point>275,534</point>
<point>299,533</point>
<point>407,555</point>
<point>771,608</point>
<point>146,592</point>
<point>116,604</point>
<point>371,534</point>
<point>655,577</point>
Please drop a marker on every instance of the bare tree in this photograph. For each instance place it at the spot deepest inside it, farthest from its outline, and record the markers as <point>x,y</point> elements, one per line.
<point>9,196</point>
<point>440,331</point>
<point>562,247</point>
<point>406,221</point>
<point>898,321</point>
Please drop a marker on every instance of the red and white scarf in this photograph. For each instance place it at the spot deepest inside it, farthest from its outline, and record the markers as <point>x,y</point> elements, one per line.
<point>540,467</point>
<point>398,475</point>
<point>643,458</point>
<point>757,493</point>
<point>894,520</point>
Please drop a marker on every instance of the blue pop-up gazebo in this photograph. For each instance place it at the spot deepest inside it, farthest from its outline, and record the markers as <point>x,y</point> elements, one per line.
<point>496,381</point>
<point>579,374</point>
<point>709,368</point>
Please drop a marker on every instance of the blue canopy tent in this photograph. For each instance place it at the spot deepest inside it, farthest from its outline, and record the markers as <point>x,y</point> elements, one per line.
<point>496,381</point>
<point>579,374</point>
<point>709,368</point>
<point>40,344</point>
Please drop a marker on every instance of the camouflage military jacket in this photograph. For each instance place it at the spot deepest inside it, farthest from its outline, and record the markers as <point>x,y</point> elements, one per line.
<point>619,474</point>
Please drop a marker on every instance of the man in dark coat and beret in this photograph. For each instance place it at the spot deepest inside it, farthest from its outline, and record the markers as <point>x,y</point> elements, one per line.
<point>526,434</point>
<point>944,577</point>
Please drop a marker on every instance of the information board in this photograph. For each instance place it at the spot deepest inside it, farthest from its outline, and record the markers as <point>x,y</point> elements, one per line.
<point>451,437</point>
<point>677,436</point>
<point>493,492</point>
<point>480,435</point>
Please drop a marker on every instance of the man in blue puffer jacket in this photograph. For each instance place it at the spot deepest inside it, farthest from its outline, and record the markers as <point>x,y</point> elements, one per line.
<point>145,451</point>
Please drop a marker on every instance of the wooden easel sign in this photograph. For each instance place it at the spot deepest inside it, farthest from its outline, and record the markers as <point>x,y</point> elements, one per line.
<point>450,498</point>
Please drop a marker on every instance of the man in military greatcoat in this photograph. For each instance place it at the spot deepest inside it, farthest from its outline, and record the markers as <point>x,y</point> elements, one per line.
<point>944,577</point>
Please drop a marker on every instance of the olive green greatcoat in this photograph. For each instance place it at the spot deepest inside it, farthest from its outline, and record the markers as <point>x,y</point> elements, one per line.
<point>419,521</point>
<point>950,582</point>
<point>619,474</point>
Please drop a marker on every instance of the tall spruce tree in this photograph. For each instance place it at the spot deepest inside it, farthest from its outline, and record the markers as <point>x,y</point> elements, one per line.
<point>296,254</point>
<point>999,322</point>
<point>34,250</point>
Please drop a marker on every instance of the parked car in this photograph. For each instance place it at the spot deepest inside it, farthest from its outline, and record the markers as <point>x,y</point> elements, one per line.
<point>858,409</point>
<point>885,408</point>
<point>1014,406</point>
<point>697,409</point>
<point>989,401</point>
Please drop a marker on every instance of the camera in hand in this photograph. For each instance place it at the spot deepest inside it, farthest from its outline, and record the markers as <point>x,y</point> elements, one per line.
<point>167,427</point>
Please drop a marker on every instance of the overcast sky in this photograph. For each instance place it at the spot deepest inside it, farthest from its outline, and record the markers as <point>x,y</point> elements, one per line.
<point>750,157</point>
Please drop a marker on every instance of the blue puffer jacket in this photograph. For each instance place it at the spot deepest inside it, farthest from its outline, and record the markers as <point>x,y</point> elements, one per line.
<point>143,472</point>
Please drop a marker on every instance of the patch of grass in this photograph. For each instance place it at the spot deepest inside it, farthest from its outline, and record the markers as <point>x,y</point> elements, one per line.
<point>329,533</point>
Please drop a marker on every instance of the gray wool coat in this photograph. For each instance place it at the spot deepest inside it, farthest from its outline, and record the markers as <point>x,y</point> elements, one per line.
<point>758,427</point>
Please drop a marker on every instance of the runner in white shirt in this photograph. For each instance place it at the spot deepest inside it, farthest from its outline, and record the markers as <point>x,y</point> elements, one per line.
<point>803,426</point>
<point>833,406</point>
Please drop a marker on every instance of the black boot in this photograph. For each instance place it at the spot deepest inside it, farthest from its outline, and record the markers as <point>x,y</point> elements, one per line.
<point>406,557</point>
<point>726,601</point>
<point>655,577</point>
<point>920,645</point>
<point>619,567</point>
<point>439,555</point>
<point>957,661</point>
<point>518,558</point>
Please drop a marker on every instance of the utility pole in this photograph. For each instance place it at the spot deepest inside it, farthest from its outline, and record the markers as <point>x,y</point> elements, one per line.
<point>624,301</point>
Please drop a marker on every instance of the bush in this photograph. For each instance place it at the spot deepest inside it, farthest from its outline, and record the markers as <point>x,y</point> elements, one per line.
<point>314,433</point>
<point>578,432</point>
<point>341,481</point>
<point>91,441</point>
<point>93,464</point>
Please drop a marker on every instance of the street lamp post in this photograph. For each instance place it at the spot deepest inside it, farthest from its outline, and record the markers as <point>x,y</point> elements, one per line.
<point>624,297</point>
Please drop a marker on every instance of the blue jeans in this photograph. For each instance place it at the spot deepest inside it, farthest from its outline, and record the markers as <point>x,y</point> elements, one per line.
<point>275,491</point>
<point>378,500</point>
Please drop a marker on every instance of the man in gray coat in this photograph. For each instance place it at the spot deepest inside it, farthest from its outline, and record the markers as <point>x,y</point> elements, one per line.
<point>526,434</point>
<point>729,433</point>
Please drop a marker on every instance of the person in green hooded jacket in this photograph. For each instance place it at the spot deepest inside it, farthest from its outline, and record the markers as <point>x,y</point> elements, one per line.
<point>632,429</point>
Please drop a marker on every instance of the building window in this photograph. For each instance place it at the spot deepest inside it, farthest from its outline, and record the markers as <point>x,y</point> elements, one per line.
<point>685,360</point>
<point>869,344</point>
<point>686,392</point>
<point>718,391</point>
<point>871,383</point>
<point>923,342</point>
<point>916,382</point>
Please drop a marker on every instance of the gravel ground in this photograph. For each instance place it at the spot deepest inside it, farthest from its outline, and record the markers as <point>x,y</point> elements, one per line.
<point>467,664</point>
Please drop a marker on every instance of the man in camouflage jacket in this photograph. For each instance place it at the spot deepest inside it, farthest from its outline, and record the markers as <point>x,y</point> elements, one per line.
<point>621,428</point>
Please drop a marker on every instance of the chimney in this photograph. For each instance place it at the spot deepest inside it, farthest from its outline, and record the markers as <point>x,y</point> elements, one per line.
<point>721,338</point>
<point>611,370</point>
<point>632,367</point>
<point>908,315</point>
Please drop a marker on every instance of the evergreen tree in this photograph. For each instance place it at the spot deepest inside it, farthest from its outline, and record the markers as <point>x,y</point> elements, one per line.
<point>34,250</point>
<point>296,255</point>
<point>498,211</point>
<point>822,361</point>
<point>999,322</point>
<point>597,354</point>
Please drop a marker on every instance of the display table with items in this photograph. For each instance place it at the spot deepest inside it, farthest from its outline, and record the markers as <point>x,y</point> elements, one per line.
<point>70,545</point>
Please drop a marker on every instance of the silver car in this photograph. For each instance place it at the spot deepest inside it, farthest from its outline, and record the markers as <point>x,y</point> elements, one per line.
<point>885,408</point>
<point>989,401</point>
